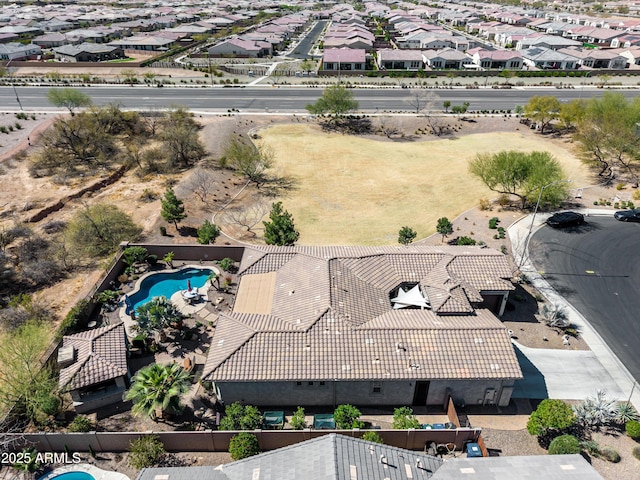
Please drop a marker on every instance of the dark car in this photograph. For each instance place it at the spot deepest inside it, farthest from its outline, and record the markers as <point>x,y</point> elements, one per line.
<point>565,219</point>
<point>628,215</point>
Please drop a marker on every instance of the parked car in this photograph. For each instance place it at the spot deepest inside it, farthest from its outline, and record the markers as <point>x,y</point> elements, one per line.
<point>565,219</point>
<point>628,215</point>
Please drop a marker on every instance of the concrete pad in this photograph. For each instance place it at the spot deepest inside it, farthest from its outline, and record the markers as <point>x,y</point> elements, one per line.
<point>562,374</point>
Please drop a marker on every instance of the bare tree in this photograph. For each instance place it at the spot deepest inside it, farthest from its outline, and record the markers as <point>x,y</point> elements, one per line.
<point>388,126</point>
<point>248,217</point>
<point>435,123</point>
<point>419,99</point>
<point>202,183</point>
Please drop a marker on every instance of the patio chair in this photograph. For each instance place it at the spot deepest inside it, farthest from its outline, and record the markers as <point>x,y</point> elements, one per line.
<point>273,420</point>
<point>324,421</point>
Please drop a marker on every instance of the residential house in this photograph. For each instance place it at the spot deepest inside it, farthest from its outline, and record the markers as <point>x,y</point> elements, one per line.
<point>93,367</point>
<point>344,59</point>
<point>447,58</point>
<point>88,52</point>
<point>8,37</point>
<point>317,326</point>
<point>239,47</point>
<point>50,40</point>
<point>547,59</point>
<point>551,42</point>
<point>626,41</point>
<point>154,43</point>
<point>601,37</point>
<point>632,55</point>
<point>496,59</point>
<point>394,59</point>
<point>18,51</point>
<point>597,58</point>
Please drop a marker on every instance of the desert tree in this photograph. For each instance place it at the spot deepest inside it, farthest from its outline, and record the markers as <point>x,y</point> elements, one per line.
<point>69,98</point>
<point>208,233</point>
<point>248,216</point>
<point>98,229</point>
<point>542,109</point>
<point>280,229</point>
<point>388,126</point>
<point>444,227</point>
<point>203,183</point>
<point>180,139</point>
<point>172,208</point>
<point>418,100</point>
<point>406,235</point>
<point>248,159</point>
<point>336,100</point>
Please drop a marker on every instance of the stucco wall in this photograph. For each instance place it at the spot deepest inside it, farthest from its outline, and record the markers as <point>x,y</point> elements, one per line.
<point>470,392</point>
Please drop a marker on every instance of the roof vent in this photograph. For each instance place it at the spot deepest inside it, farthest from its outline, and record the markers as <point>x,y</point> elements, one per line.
<point>291,292</point>
<point>400,347</point>
<point>415,366</point>
<point>383,460</point>
<point>346,368</point>
<point>66,356</point>
<point>478,341</point>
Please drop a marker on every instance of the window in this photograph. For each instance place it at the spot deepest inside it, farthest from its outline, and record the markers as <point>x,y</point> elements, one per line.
<point>376,388</point>
<point>310,384</point>
<point>298,384</point>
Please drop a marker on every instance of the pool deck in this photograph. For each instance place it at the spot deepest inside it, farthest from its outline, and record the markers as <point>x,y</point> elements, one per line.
<point>95,472</point>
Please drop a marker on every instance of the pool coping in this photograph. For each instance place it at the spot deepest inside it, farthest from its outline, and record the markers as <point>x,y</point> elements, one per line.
<point>95,472</point>
<point>128,321</point>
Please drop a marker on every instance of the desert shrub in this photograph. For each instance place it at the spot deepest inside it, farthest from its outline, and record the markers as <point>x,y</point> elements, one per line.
<point>595,412</point>
<point>226,264</point>
<point>592,447</point>
<point>564,445</point>
<point>493,223</point>
<point>298,421</point>
<point>620,186</point>
<point>77,317</point>
<point>610,454</point>
<point>626,412</point>
<point>347,416</point>
<point>632,428</point>
<point>243,445</point>
<point>484,204</point>
<point>636,452</point>
<point>403,419</point>
<point>636,195</point>
<point>81,424</point>
<point>551,414</point>
<point>465,241</point>
<point>371,436</point>
<point>146,452</point>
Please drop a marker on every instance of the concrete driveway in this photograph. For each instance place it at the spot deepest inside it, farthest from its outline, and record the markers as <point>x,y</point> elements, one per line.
<point>562,374</point>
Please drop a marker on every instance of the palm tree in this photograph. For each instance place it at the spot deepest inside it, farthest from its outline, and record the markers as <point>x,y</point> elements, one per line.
<point>155,315</point>
<point>156,390</point>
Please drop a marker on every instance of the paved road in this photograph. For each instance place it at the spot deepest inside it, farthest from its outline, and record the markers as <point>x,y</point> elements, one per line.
<point>288,100</point>
<point>306,44</point>
<point>595,267</point>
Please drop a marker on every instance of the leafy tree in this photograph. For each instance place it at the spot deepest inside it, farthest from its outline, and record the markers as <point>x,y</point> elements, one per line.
<point>406,235</point>
<point>155,315</point>
<point>550,415</point>
<point>444,227</point>
<point>226,264</point>
<point>572,113</point>
<point>99,229</point>
<point>241,417</point>
<point>243,445</point>
<point>521,174</point>
<point>336,100</point>
<point>280,230</point>
<point>208,233</point>
<point>371,436</point>
<point>403,419</point>
<point>347,417</point>
<point>157,389</point>
<point>298,421</point>
<point>460,109</point>
<point>168,259</point>
<point>130,76</point>
<point>446,104</point>
<point>248,159</point>
<point>180,139</point>
<point>542,110</point>
<point>69,98</point>
<point>146,452</point>
<point>564,445</point>
<point>172,208</point>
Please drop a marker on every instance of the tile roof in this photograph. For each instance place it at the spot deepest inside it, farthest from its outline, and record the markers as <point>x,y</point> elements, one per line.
<point>332,318</point>
<point>101,355</point>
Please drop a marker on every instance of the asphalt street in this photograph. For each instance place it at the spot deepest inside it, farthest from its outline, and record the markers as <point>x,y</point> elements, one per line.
<point>595,267</point>
<point>269,99</point>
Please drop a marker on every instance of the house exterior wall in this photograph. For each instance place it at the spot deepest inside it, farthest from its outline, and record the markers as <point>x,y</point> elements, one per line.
<point>230,49</point>
<point>470,392</point>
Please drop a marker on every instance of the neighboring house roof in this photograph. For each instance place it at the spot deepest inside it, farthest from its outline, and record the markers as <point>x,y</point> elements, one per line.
<point>329,457</point>
<point>547,55</point>
<point>400,55</point>
<point>328,315</point>
<point>100,355</point>
<point>93,48</point>
<point>344,55</point>
<point>549,467</point>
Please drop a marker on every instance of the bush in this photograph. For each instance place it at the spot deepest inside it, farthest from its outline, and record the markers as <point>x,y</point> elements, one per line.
<point>298,421</point>
<point>564,445</point>
<point>243,445</point>
<point>146,452</point>
<point>493,223</point>
<point>632,428</point>
<point>610,454</point>
<point>465,241</point>
<point>403,419</point>
<point>78,316</point>
<point>550,415</point>
<point>636,452</point>
<point>241,417</point>
<point>347,416</point>
<point>226,264</point>
<point>484,204</point>
<point>81,424</point>
<point>372,436</point>
<point>163,231</point>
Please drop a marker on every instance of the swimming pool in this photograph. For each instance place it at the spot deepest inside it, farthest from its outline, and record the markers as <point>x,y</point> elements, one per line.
<point>166,284</point>
<point>74,476</point>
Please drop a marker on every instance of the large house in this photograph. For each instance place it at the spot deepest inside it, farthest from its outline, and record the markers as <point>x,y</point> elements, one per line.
<point>366,325</point>
<point>344,59</point>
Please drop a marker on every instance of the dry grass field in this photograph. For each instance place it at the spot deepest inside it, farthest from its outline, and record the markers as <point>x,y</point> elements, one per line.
<point>355,190</point>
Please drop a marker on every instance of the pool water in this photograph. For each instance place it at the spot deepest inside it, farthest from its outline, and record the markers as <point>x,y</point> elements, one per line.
<point>166,284</point>
<point>74,476</point>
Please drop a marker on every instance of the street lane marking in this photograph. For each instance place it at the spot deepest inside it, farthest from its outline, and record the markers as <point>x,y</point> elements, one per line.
<point>590,271</point>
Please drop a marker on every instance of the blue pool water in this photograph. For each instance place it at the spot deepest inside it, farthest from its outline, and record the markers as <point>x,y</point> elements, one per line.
<point>74,476</point>
<point>166,284</point>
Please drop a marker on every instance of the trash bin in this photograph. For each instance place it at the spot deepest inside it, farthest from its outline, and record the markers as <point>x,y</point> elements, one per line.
<point>473,450</point>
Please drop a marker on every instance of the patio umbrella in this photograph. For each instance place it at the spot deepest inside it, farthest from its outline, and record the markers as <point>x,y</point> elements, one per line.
<point>188,285</point>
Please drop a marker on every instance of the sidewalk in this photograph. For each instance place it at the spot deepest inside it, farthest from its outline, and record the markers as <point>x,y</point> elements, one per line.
<point>518,234</point>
